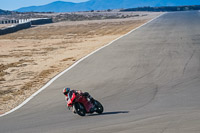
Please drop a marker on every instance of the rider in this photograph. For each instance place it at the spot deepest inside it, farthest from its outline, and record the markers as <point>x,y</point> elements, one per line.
<point>70,95</point>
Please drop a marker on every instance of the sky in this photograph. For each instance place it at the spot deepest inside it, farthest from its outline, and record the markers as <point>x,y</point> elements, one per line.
<point>16,4</point>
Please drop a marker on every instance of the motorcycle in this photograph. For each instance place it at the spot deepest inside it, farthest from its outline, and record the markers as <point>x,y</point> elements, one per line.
<point>86,105</point>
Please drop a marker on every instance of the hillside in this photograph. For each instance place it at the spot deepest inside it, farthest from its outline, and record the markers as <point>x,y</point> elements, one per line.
<point>164,8</point>
<point>3,12</point>
<point>60,6</point>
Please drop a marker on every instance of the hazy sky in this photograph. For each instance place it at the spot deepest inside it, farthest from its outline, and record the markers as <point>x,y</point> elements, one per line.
<point>15,4</point>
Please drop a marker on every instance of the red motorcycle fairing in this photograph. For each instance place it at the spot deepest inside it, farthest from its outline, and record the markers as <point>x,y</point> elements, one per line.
<point>80,99</point>
<point>87,104</point>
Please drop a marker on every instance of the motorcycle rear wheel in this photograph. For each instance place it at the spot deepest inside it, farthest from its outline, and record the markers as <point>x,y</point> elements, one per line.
<point>80,109</point>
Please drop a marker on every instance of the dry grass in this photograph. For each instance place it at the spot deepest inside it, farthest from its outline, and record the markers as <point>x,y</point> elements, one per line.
<point>4,92</point>
<point>31,57</point>
<point>75,33</point>
<point>2,79</point>
<point>70,58</point>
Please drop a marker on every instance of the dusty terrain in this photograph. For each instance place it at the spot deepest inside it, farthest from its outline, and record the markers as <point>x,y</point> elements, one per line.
<point>75,16</point>
<point>4,25</point>
<point>31,57</point>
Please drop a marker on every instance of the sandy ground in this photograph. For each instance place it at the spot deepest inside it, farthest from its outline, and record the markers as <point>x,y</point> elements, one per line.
<point>31,57</point>
<point>5,25</point>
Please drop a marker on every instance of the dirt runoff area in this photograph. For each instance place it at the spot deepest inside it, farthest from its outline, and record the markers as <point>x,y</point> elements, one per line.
<point>31,57</point>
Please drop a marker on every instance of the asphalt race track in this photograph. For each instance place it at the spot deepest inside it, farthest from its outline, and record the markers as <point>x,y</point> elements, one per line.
<point>148,82</point>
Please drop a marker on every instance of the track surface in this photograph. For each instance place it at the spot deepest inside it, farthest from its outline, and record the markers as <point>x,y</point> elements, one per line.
<point>148,82</point>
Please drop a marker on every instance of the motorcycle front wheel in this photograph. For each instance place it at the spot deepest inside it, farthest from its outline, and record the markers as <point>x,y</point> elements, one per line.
<point>99,107</point>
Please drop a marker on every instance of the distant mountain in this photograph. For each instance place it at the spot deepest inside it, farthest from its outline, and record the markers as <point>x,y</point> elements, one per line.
<point>164,8</point>
<point>3,12</point>
<point>60,6</point>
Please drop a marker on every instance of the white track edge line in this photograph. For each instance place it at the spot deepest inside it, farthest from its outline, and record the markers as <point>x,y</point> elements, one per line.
<point>60,74</point>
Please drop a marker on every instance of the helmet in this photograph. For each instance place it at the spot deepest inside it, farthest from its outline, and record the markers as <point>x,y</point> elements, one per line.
<point>66,91</point>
